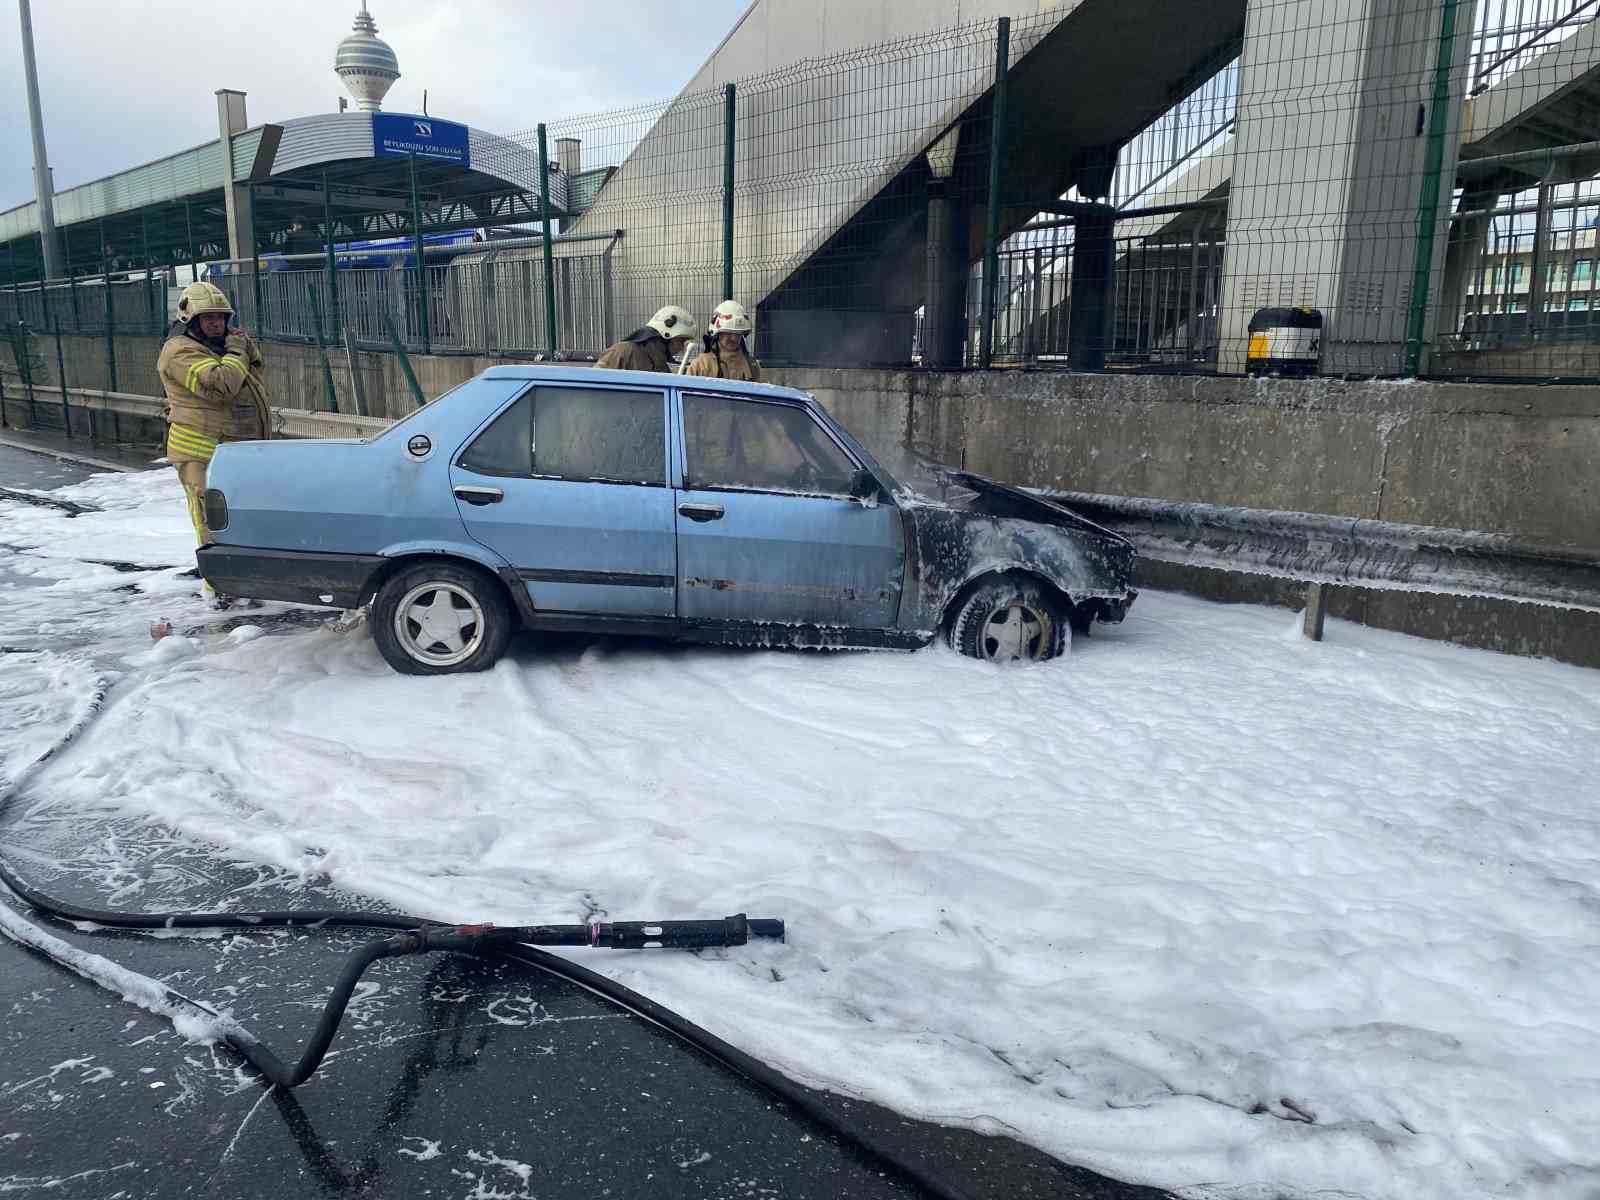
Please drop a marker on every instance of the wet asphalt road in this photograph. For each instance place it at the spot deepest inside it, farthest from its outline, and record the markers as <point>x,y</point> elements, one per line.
<point>37,472</point>
<point>451,1076</point>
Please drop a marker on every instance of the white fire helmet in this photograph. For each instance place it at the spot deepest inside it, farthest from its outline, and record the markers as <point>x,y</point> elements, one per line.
<point>673,322</point>
<point>730,317</point>
<point>201,298</point>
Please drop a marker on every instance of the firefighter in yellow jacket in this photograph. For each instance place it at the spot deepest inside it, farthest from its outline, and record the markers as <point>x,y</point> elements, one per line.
<point>727,354</point>
<point>216,391</point>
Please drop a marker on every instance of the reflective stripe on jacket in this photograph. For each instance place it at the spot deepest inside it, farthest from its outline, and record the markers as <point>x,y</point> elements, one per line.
<point>186,443</point>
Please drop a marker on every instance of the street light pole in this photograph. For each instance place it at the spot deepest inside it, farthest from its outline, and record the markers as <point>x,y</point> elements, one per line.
<point>44,185</point>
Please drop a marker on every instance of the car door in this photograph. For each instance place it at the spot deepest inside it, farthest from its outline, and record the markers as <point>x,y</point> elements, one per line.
<point>569,485</point>
<point>767,530</point>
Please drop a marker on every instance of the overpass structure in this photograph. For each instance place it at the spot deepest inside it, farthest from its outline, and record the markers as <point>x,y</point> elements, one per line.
<point>863,196</point>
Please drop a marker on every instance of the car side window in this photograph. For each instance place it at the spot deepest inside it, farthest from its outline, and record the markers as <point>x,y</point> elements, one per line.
<point>506,447</point>
<point>599,433</point>
<point>749,445</point>
<point>576,433</point>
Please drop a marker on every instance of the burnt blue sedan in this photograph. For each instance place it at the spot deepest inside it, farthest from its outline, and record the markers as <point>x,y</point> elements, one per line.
<point>620,502</point>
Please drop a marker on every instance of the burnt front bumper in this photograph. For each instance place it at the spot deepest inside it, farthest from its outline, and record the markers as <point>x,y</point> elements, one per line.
<point>1111,610</point>
<point>299,577</point>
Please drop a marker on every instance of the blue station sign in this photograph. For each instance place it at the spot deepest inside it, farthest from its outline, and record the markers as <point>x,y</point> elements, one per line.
<point>398,135</point>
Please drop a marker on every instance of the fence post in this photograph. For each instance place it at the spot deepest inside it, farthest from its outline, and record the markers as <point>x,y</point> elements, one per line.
<point>111,316</point>
<point>61,374</point>
<point>1032,324</point>
<point>322,349</point>
<point>728,110</point>
<point>997,134</point>
<point>334,320</point>
<point>1316,613</point>
<point>405,360</point>
<point>16,292</point>
<point>194,259</point>
<point>23,357</point>
<point>608,303</point>
<point>422,262</point>
<point>149,295</point>
<point>1428,208</point>
<point>352,356</point>
<point>486,305</point>
<point>1539,262</point>
<point>549,250</point>
<point>259,317</point>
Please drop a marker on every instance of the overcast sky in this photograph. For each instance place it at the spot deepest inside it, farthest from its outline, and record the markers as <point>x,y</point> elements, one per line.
<point>126,81</point>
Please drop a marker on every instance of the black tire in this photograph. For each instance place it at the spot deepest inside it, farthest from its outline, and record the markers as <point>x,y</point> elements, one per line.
<point>1011,617</point>
<point>468,598</point>
<point>1081,620</point>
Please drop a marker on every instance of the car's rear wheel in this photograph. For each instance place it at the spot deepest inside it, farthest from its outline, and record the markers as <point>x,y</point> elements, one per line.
<point>1011,617</point>
<point>438,618</point>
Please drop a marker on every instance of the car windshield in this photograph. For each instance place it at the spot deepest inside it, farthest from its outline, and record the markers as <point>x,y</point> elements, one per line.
<point>921,477</point>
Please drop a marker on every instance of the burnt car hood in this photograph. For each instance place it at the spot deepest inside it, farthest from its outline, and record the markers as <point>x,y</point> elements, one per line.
<point>926,482</point>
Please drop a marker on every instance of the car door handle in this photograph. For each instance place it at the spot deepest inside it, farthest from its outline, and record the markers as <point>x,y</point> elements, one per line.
<point>480,495</point>
<point>701,512</point>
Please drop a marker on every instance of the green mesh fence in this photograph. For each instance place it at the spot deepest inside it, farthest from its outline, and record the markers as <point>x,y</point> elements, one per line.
<point>1337,187</point>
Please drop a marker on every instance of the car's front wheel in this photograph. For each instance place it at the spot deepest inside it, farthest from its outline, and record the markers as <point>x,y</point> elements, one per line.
<point>437,618</point>
<point>1011,617</point>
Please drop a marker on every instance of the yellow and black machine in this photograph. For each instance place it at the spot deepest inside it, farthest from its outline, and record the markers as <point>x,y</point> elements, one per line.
<point>1284,341</point>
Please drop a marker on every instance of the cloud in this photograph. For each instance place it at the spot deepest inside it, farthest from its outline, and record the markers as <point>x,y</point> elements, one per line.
<point>124,83</point>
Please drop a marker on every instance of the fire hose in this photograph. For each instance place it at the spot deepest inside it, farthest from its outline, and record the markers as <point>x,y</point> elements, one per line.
<point>414,936</point>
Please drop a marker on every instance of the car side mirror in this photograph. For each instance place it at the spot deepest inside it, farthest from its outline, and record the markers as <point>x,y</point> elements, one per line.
<point>863,484</point>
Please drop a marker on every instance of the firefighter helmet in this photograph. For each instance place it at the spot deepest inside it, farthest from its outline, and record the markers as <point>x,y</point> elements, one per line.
<point>730,317</point>
<point>673,322</point>
<point>201,298</point>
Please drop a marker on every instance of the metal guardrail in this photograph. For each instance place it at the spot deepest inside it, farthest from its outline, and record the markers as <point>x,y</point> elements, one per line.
<point>1319,549</point>
<point>286,422</point>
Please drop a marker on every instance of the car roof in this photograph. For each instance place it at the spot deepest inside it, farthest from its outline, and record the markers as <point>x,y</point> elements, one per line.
<point>559,373</point>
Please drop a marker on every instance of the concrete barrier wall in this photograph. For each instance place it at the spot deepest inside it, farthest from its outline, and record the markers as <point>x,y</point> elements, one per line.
<point>1516,459</point>
<point>1521,459</point>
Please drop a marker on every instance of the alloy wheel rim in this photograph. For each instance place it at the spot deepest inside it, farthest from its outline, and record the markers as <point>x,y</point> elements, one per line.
<point>440,624</point>
<point>1014,630</point>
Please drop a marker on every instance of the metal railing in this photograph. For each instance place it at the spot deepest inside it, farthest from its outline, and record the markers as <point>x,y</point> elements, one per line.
<point>488,302</point>
<point>1512,33</point>
<point>1324,550</point>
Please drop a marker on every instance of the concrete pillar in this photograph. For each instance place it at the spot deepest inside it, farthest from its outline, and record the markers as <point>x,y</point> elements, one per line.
<point>1329,155</point>
<point>1093,266</point>
<point>569,157</point>
<point>1468,235</point>
<point>569,153</point>
<point>43,178</point>
<point>1538,291</point>
<point>231,119</point>
<point>944,321</point>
